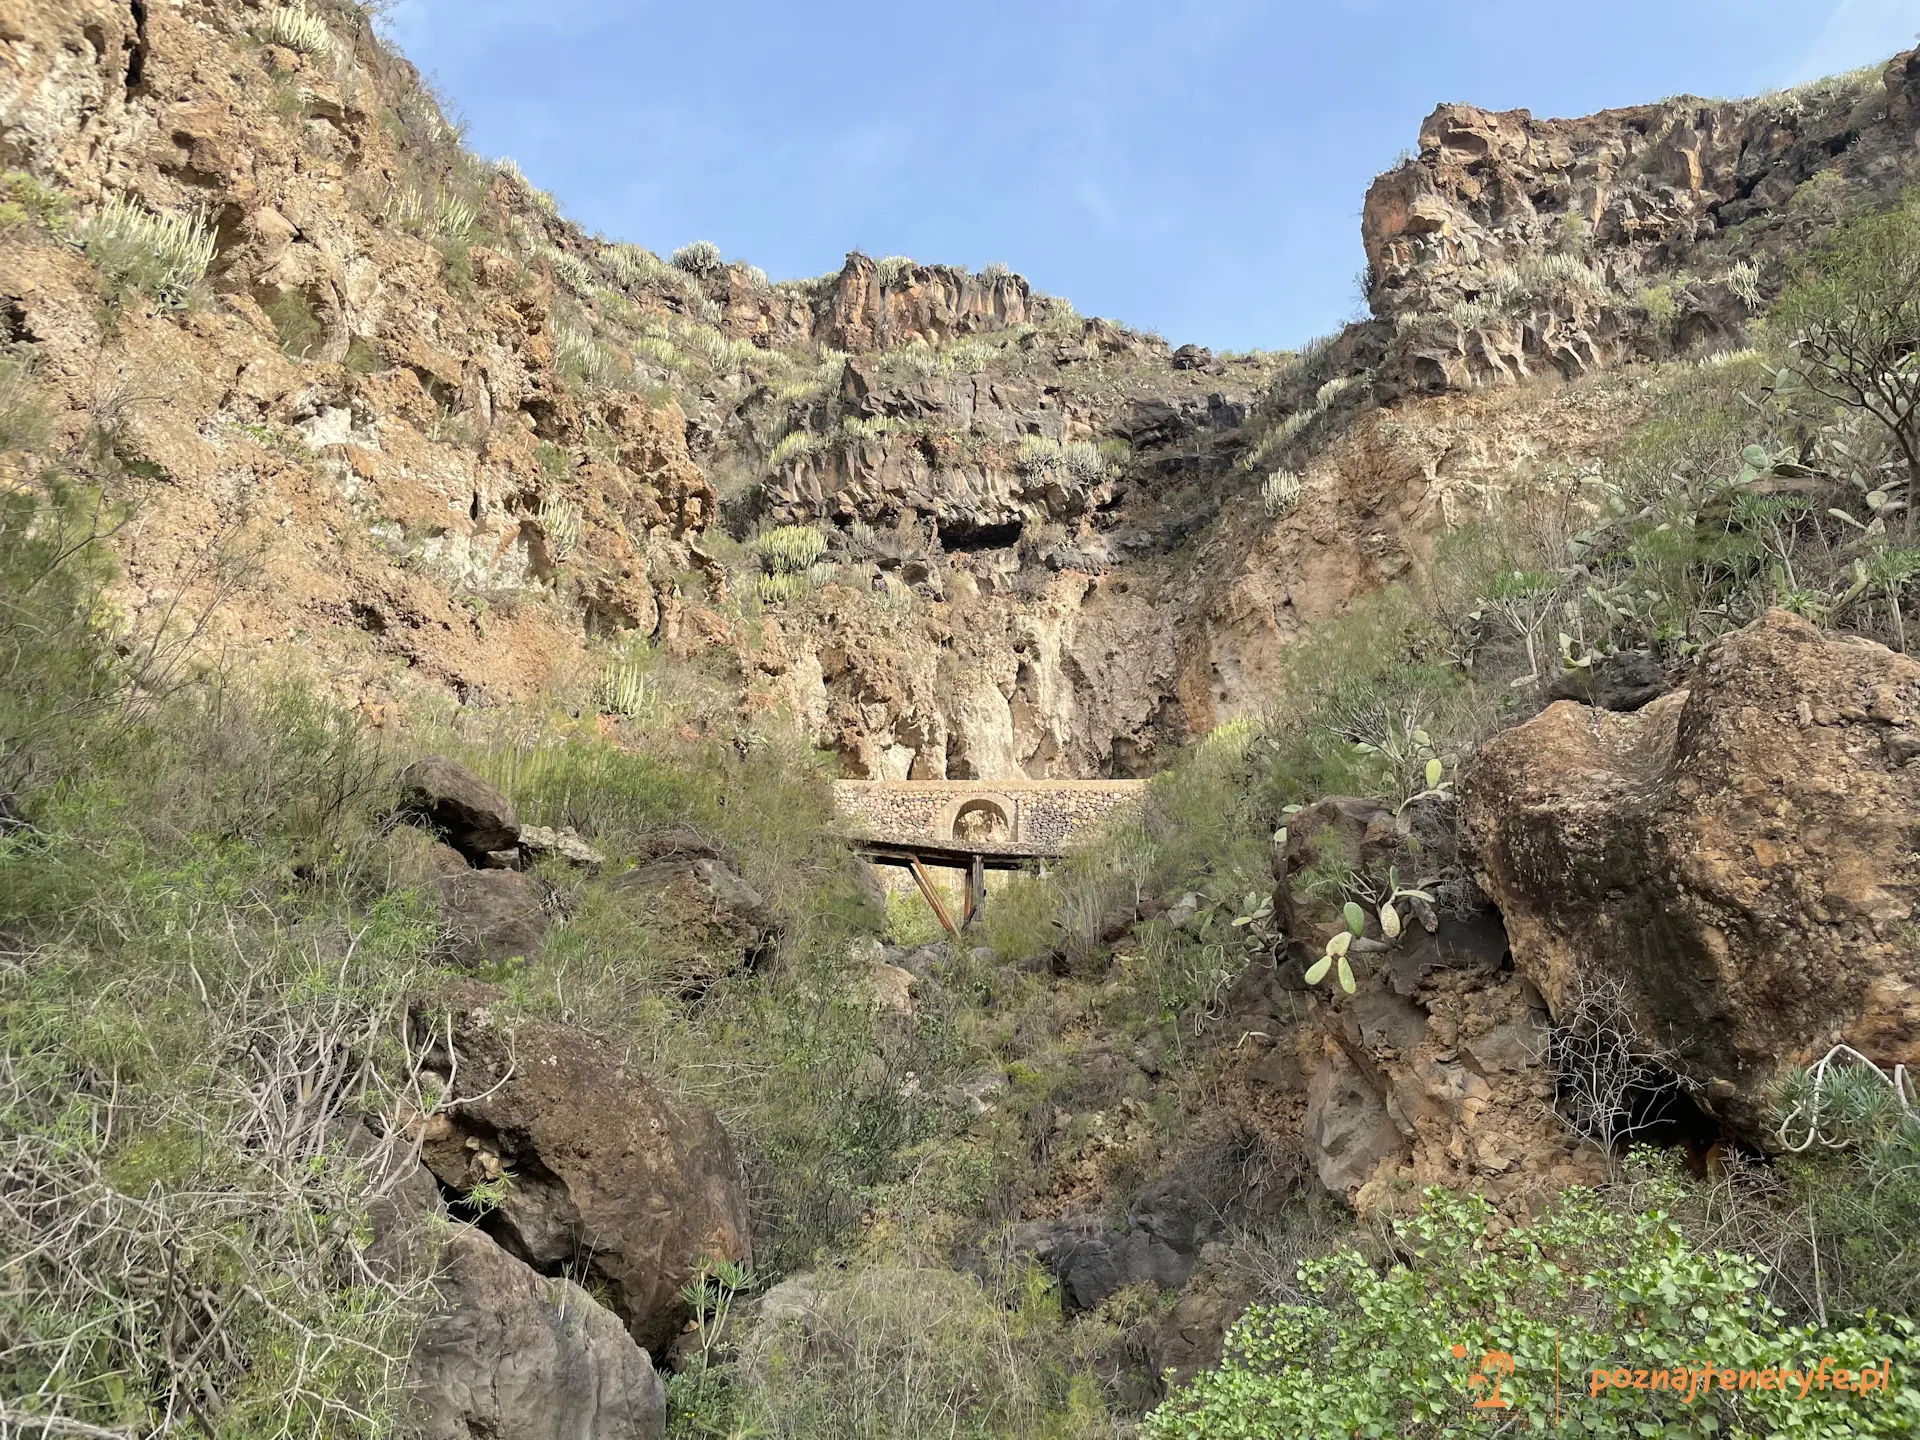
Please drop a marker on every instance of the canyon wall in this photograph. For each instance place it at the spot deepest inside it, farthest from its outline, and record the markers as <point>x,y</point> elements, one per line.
<point>420,435</point>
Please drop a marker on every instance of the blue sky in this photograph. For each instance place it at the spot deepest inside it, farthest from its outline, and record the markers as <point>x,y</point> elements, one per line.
<point>1194,167</point>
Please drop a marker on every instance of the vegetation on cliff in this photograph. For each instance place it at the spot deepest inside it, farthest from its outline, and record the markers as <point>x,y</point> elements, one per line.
<point>627,536</point>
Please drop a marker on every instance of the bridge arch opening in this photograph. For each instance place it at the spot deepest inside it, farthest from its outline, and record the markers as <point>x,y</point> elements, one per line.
<point>982,821</point>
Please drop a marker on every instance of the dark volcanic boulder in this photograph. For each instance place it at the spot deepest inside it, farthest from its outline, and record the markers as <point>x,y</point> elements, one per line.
<point>517,1354</point>
<point>491,916</point>
<point>460,807</point>
<point>692,888</point>
<point>1742,855</point>
<point>1349,1131</point>
<point>606,1179</point>
<point>1167,1225</point>
<point>1626,680</point>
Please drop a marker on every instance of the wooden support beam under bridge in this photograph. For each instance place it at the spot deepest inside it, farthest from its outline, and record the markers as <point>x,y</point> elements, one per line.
<point>916,857</point>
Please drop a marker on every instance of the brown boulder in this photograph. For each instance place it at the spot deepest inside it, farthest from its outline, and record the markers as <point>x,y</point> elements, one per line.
<point>458,806</point>
<point>491,916</point>
<point>1342,830</point>
<point>607,1179</point>
<point>720,913</point>
<point>519,1354</point>
<point>1743,855</point>
<point>1349,1131</point>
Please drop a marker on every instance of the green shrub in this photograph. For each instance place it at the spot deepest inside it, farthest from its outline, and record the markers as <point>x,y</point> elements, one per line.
<point>24,200</point>
<point>1561,1301</point>
<point>298,329</point>
<point>58,669</point>
<point>581,356</point>
<point>699,259</point>
<point>967,357</point>
<point>162,256</point>
<point>1854,1171</point>
<point>194,933</point>
<point>1852,314</point>
<point>890,1353</point>
<point>295,28</point>
<point>24,423</point>
<point>1661,307</point>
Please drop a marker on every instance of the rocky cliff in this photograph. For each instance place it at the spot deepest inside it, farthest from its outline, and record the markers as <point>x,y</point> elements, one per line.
<point>366,407</point>
<point>426,436</point>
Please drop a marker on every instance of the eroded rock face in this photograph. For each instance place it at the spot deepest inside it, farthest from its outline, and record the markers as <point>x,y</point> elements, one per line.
<point>1463,241</point>
<point>1744,855</point>
<point>928,302</point>
<point>518,1354</point>
<point>607,1178</point>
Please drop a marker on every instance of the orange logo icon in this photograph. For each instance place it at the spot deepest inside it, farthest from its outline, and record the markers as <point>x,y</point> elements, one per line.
<point>1495,1366</point>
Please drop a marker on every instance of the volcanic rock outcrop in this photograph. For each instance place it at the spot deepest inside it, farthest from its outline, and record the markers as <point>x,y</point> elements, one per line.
<point>1743,856</point>
<point>518,1354</point>
<point>606,1179</point>
<point>1510,245</point>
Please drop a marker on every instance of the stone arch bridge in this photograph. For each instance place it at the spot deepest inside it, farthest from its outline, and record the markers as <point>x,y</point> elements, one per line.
<point>976,825</point>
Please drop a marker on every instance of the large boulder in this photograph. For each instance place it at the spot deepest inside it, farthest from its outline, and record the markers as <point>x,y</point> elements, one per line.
<point>606,1179</point>
<point>461,808</point>
<point>491,916</point>
<point>1743,856</point>
<point>691,886</point>
<point>517,1354</point>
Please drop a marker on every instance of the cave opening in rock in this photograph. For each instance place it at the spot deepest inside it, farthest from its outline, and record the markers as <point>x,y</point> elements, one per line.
<point>1669,1118</point>
<point>969,535</point>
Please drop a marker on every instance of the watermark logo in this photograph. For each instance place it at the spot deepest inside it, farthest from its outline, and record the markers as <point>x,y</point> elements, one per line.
<point>1495,1366</point>
<point>1487,1382</point>
<point>1693,1381</point>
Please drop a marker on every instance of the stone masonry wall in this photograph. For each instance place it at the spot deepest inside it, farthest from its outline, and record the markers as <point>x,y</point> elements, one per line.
<point>1043,815</point>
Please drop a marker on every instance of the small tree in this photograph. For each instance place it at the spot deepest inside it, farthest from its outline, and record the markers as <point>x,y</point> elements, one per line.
<point>1853,317</point>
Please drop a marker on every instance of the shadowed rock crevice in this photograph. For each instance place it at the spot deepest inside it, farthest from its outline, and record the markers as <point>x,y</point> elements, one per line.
<point>137,50</point>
